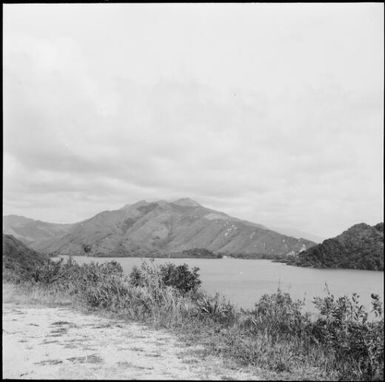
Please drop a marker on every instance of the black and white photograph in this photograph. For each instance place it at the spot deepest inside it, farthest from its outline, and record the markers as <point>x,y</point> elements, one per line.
<point>193,191</point>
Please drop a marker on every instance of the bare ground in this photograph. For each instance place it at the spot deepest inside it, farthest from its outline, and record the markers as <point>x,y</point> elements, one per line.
<point>61,343</point>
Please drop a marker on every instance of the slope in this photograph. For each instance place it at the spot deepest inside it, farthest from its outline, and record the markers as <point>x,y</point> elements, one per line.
<point>360,247</point>
<point>30,230</point>
<point>19,261</point>
<point>159,228</point>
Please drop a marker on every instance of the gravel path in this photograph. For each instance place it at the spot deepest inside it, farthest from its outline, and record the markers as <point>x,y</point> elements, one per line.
<point>60,343</point>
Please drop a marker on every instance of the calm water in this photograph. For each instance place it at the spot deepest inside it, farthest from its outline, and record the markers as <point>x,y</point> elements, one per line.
<point>244,281</point>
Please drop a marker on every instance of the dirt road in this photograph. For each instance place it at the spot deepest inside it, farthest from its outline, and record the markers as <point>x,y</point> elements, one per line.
<point>60,343</point>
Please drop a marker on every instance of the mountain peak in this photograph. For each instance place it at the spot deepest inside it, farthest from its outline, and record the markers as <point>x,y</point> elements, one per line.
<point>186,202</point>
<point>137,204</point>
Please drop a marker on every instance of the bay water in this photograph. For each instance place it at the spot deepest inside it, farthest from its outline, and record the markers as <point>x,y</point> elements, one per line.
<point>243,282</point>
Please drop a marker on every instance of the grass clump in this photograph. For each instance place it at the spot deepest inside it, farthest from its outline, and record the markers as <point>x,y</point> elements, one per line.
<point>276,335</point>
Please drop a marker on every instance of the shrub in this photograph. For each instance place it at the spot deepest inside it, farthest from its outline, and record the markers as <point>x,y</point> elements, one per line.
<point>147,275</point>
<point>48,272</point>
<point>357,343</point>
<point>178,277</point>
<point>277,315</point>
<point>216,309</point>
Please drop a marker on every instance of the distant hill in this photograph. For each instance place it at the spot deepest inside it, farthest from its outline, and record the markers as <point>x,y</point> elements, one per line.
<point>161,228</point>
<point>29,230</point>
<point>360,247</point>
<point>298,234</point>
<point>19,261</point>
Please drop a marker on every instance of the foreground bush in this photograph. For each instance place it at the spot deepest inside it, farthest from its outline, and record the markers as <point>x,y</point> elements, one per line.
<point>356,342</point>
<point>176,276</point>
<point>278,316</point>
<point>340,343</point>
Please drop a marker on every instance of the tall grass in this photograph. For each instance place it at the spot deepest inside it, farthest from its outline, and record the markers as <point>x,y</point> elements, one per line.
<point>275,335</point>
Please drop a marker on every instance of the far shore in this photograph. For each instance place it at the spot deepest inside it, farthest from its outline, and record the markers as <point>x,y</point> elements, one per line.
<point>225,257</point>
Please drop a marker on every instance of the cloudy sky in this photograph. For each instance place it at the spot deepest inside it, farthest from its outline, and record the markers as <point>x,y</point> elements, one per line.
<point>271,113</point>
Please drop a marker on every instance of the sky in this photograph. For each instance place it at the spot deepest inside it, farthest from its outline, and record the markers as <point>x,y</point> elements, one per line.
<point>272,113</point>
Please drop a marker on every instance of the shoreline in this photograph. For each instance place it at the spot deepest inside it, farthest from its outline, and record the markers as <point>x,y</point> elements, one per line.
<point>216,258</point>
<point>225,257</point>
<point>264,276</point>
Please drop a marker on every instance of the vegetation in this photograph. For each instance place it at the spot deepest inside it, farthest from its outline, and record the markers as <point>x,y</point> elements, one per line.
<point>341,343</point>
<point>247,256</point>
<point>360,247</point>
<point>200,253</point>
<point>19,261</point>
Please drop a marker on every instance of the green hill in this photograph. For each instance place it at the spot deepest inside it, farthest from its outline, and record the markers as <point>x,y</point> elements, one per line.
<point>19,261</point>
<point>360,247</point>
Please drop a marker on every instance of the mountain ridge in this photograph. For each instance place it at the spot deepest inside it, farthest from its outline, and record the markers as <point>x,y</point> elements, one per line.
<point>160,227</point>
<point>30,230</point>
<point>298,234</point>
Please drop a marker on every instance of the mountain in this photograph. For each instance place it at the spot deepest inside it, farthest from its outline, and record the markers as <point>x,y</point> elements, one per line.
<point>360,247</point>
<point>298,234</point>
<point>29,231</point>
<point>161,228</point>
<point>19,261</point>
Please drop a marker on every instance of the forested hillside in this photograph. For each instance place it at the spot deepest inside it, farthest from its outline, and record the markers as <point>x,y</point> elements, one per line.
<point>360,247</point>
